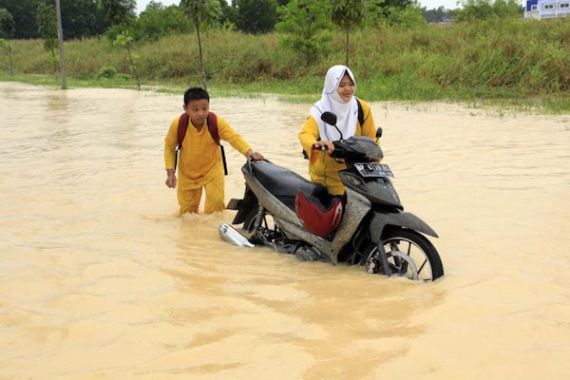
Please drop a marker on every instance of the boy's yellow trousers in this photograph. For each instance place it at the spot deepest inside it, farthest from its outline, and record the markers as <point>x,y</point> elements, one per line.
<point>189,200</point>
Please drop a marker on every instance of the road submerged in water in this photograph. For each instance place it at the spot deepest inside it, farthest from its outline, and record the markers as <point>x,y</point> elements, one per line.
<point>99,277</point>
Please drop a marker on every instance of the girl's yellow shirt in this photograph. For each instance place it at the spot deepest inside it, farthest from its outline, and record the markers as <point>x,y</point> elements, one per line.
<point>200,159</point>
<point>322,168</point>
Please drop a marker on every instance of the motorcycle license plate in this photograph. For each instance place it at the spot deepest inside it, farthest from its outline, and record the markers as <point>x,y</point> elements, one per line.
<point>373,170</point>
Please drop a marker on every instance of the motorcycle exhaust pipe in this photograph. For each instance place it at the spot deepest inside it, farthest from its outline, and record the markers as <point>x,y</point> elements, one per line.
<point>231,235</point>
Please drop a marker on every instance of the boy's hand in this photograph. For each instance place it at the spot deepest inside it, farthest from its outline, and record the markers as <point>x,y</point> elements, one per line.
<point>254,156</point>
<point>170,178</point>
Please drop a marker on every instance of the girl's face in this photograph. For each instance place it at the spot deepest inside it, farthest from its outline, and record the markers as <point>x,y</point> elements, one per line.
<point>346,88</point>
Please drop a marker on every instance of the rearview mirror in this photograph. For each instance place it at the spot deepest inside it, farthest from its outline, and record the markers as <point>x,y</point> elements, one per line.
<point>329,118</point>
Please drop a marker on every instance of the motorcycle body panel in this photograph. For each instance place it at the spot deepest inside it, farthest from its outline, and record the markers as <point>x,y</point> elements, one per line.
<point>283,216</point>
<point>270,202</point>
<point>357,206</point>
<point>379,190</point>
<point>400,219</point>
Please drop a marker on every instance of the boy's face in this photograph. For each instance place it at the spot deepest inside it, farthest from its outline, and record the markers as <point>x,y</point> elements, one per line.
<point>198,111</point>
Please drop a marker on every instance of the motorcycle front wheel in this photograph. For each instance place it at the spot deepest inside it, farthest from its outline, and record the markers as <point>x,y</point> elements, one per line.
<point>409,254</point>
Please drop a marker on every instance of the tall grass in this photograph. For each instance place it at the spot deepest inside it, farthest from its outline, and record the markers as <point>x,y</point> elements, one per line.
<point>513,59</point>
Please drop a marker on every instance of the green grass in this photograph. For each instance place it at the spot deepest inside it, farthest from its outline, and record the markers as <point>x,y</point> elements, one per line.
<point>510,63</point>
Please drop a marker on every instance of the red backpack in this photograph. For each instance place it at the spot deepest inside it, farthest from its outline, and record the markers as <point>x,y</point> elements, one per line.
<point>212,123</point>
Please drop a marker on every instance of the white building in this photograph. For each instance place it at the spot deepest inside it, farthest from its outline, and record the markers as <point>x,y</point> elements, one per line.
<point>541,9</point>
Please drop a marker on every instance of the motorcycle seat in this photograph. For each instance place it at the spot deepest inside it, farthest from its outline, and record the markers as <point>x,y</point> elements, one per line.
<point>284,184</point>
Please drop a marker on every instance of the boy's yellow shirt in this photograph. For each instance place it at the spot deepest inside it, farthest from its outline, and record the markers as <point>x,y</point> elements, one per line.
<point>324,169</point>
<point>200,159</point>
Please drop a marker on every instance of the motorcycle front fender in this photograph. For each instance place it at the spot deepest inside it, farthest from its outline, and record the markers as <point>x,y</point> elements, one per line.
<point>398,219</point>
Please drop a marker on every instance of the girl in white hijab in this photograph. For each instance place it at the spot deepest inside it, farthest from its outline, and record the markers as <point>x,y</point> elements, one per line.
<point>345,108</point>
<point>338,98</point>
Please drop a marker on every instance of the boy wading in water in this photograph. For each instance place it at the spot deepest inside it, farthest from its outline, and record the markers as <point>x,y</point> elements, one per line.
<point>200,164</point>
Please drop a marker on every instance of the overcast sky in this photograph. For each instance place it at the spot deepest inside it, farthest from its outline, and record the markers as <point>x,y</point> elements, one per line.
<point>429,4</point>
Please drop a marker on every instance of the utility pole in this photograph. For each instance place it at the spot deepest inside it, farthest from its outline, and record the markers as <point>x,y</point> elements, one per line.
<point>60,38</point>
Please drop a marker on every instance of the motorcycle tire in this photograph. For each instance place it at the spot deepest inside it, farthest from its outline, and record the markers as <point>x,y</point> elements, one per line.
<point>416,247</point>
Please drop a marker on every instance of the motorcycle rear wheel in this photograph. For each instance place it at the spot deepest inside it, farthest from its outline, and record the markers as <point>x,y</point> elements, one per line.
<point>409,255</point>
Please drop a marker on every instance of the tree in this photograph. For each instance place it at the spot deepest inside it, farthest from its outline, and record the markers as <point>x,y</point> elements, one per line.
<point>406,17</point>
<point>125,41</point>
<point>485,9</point>
<point>157,21</point>
<point>396,3</point>
<point>439,14</point>
<point>304,24</point>
<point>7,28</point>
<point>47,28</point>
<point>228,14</point>
<point>256,16</point>
<point>82,18</point>
<point>24,15</point>
<point>203,13</point>
<point>118,12</point>
<point>348,14</point>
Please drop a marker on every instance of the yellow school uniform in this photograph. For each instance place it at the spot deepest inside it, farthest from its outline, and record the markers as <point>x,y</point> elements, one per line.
<point>200,164</point>
<point>322,168</point>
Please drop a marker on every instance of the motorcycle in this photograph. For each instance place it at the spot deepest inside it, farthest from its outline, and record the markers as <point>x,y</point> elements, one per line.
<point>366,227</point>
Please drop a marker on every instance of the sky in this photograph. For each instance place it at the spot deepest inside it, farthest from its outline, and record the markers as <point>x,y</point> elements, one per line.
<point>429,4</point>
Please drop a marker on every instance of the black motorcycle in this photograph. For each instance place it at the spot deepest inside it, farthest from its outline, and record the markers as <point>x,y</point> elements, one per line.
<point>366,227</point>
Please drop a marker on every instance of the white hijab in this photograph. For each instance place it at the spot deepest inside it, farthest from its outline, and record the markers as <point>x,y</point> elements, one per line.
<point>346,113</point>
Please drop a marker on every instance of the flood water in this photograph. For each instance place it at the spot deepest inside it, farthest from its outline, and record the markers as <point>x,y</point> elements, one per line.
<point>100,278</point>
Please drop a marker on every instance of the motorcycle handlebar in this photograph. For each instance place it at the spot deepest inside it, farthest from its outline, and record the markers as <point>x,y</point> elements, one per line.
<point>318,147</point>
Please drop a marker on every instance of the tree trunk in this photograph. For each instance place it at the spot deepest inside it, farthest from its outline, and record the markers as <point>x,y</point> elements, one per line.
<point>201,55</point>
<point>134,68</point>
<point>60,38</point>
<point>347,45</point>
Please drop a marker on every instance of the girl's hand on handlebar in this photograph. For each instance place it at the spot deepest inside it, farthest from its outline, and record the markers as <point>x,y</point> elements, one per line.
<point>324,145</point>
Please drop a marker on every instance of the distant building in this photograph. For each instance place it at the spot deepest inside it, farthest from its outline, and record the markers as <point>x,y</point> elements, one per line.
<point>541,9</point>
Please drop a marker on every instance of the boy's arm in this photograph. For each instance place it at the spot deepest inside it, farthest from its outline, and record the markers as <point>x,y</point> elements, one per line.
<point>228,134</point>
<point>170,143</point>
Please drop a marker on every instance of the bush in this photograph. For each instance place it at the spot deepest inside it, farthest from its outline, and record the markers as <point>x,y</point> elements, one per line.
<point>106,72</point>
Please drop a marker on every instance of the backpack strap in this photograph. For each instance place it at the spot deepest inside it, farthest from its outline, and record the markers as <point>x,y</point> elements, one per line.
<point>360,112</point>
<point>212,123</point>
<point>183,121</point>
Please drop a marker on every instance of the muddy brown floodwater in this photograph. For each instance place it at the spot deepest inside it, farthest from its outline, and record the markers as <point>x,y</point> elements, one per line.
<point>99,277</point>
